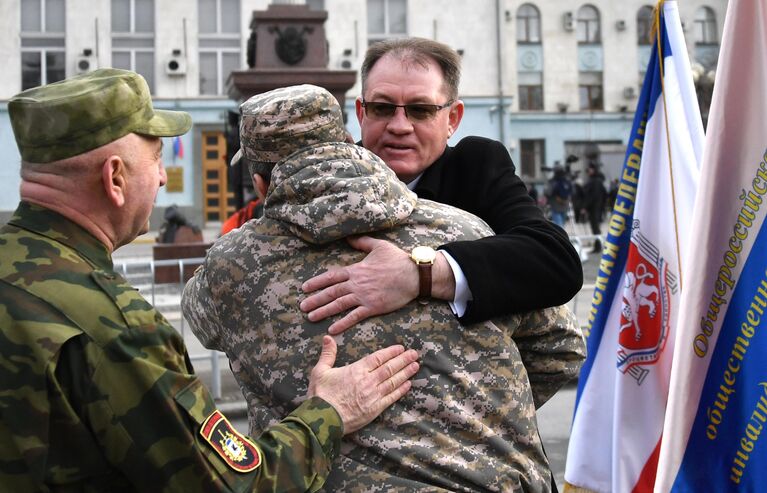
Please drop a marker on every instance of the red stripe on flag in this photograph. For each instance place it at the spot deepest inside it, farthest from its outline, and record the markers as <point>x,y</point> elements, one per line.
<point>646,481</point>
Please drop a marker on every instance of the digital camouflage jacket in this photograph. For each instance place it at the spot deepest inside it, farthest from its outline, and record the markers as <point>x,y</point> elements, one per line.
<point>468,423</point>
<point>97,392</point>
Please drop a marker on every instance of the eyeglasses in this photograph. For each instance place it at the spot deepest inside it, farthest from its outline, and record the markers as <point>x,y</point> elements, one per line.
<point>416,112</point>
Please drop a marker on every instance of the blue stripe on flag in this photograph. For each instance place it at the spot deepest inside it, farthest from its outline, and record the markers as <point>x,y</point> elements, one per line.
<point>621,218</point>
<point>734,393</point>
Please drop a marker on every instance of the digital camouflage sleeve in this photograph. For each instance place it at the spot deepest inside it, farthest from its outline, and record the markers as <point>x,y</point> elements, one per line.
<point>98,393</point>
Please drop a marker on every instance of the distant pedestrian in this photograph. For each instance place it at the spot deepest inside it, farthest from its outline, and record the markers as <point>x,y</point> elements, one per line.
<point>559,192</point>
<point>594,198</point>
<point>612,194</point>
<point>532,192</point>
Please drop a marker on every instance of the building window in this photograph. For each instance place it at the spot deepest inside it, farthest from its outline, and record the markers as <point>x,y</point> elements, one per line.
<point>590,91</point>
<point>219,26</point>
<point>528,24</point>
<point>530,90</point>
<point>133,37</point>
<point>530,58</point>
<point>532,156</point>
<point>316,4</point>
<point>386,19</point>
<point>705,26</point>
<point>42,42</point>
<point>530,98</point>
<point>588,25</point>
<point>644,25</point>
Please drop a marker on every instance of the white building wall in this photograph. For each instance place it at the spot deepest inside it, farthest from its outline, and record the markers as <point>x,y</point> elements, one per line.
<point>621,67</point>
<point>346,30</point>
<point>87,28</point>
<point>10,48</point>
<point>175,29</point>
<point>470,26</point>
<point>560,56</point>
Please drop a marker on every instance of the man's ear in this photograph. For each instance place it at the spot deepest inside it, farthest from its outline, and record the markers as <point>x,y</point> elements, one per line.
<point>114,179</point>
<point>455,116</point>
<point>261,185</point>
<point>358,108</point>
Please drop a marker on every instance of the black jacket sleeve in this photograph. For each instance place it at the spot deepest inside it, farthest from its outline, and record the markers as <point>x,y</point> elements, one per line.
<point>530,263</point>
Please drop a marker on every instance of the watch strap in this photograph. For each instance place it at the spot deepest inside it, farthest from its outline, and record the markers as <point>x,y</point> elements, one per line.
<point>424,281</point>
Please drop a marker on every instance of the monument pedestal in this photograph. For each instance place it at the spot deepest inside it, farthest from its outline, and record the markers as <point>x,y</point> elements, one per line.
<point>246,83</point>
<point>287,47</point>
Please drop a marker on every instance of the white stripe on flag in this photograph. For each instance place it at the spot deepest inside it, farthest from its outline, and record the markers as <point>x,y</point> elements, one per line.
<point>718,366</point>
<point>622,395</point>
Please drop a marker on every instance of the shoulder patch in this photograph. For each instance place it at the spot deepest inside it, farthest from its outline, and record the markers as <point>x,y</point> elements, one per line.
<point>238,451</point>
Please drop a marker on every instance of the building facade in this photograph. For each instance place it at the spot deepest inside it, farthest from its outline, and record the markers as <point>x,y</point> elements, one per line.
<point>548,78</point>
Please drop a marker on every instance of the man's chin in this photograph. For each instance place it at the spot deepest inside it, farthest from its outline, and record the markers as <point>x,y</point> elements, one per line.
<point>144,230</point>
<point>405,170</point>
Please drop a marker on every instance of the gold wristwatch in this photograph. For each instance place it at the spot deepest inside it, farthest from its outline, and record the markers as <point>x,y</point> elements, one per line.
<point>423,257</point>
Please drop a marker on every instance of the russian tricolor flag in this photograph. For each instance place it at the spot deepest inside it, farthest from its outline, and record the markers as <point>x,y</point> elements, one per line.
<point>623,387</point>
<point>178,148</point>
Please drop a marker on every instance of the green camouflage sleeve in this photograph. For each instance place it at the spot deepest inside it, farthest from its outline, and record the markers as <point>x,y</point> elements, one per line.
<point>91,367</point>
<point>552,348</point>
<point>162,427</point>
<point>299,451</point>
<point>133,430</point>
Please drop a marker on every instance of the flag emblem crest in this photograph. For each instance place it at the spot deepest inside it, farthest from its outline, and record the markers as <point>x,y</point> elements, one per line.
<point>646,307</point>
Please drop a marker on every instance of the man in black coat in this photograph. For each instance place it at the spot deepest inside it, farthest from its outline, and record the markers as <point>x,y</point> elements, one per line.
<point>594,201</point>
<point>408,110</point>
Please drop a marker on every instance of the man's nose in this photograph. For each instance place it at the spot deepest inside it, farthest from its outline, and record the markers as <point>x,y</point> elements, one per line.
<point>399,122</point>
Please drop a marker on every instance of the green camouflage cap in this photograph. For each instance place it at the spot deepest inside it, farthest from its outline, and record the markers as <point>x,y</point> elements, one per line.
<point>277,123</point>
<point>76,115</point>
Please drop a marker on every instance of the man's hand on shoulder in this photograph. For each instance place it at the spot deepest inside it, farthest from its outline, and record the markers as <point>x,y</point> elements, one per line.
<point>359,392</point>
<point>384,281</point>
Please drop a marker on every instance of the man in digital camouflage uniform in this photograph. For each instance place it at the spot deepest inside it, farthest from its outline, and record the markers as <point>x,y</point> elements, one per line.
<point>469,422</point>
<point>97,392</point>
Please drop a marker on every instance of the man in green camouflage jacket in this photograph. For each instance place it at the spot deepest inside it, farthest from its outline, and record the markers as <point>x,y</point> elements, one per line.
<point>469,422</point>
<point>97,392</point>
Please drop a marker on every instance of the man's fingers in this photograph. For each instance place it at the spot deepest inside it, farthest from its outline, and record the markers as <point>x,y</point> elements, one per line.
<point>323,298</point>
<point>393,396</point>
<point>329,278</point>
<point>388,366</point>
<point>328,353</point>
<point>334,307</point>
<point>349,320</point>
<point>373,361</point>
<point>363,243</point>
<point>398,377</point>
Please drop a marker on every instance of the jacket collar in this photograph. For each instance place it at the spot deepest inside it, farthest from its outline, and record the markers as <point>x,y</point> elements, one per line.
<point>56,227</point>
<point>431,179</point>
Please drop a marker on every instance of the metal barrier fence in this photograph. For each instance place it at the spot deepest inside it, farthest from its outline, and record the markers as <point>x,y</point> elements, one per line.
<point>139,269</point>
<point>136,271</point>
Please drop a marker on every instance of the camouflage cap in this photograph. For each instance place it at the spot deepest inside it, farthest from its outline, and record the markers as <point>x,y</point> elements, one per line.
<point>76,115</point>
<point>277,123</point>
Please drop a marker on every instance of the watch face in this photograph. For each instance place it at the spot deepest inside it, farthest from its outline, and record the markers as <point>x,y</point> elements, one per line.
<point>423,255</point>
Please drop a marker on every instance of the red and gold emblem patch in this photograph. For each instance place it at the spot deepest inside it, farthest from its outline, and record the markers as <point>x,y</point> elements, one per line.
<point>236,450</point>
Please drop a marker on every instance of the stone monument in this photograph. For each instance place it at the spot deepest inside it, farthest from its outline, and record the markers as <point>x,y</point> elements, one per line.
<point>287,46</point>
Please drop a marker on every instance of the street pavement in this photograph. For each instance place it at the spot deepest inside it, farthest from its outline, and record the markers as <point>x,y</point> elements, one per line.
<point>554,417</point>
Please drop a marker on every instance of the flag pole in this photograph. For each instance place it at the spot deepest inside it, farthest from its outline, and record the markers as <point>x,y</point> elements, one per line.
<point>656,34</point>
